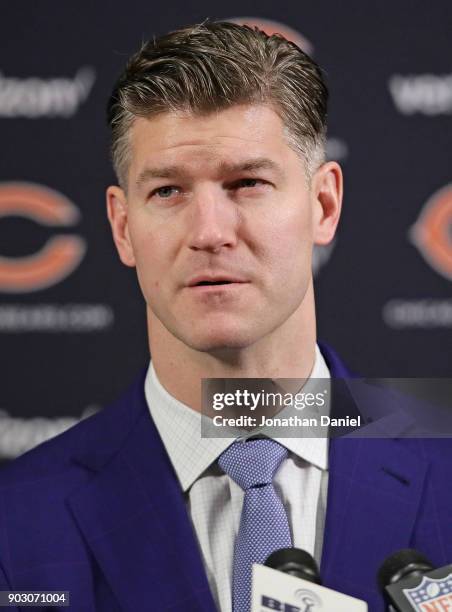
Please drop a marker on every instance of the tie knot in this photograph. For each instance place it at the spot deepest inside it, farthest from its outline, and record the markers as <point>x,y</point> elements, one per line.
<point>253,462</point>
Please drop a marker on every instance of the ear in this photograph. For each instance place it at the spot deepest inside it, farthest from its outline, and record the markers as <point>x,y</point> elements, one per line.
<point>117,212</point>
<point>326,190</point>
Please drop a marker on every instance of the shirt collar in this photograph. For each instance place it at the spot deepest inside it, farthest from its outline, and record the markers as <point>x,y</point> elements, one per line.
<point>180,430</point>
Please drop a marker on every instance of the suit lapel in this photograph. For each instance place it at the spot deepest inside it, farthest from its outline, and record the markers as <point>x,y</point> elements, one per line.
<point>374,493</point>
<point>133,517</point>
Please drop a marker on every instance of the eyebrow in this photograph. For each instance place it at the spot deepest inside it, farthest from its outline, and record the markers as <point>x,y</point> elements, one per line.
<point>172,171</point>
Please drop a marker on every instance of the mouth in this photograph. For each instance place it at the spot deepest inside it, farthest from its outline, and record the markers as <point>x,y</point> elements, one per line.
<point>218,280</point>
<point>224,286</point>
<point>210,283</point>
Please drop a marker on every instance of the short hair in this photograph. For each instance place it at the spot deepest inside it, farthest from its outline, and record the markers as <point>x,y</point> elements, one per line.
<point>212,66</point>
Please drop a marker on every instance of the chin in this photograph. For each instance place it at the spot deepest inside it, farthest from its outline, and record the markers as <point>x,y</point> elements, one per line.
<point>219,339</point>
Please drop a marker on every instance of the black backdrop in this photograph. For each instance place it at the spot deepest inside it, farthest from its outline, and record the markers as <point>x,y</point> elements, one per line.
<point>71,339</point>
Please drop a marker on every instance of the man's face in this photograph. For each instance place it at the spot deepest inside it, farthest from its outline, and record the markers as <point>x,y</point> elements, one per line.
<point>220,197</point>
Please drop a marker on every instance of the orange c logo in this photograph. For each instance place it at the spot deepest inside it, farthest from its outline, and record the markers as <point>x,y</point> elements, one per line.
<point>60,255</point>
<point>432,232</point>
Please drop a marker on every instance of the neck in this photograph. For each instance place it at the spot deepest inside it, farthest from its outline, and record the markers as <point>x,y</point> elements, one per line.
<point>286,352</point>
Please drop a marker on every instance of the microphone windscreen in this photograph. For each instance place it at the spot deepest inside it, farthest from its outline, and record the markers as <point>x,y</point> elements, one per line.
<point>400,564</point>
<point>295,562</point>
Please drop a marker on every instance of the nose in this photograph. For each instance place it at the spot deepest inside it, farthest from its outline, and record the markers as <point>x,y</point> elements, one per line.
<point>213,221</point>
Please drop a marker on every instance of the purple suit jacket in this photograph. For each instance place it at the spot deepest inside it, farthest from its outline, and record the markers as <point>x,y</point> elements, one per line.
<point>98,511</point>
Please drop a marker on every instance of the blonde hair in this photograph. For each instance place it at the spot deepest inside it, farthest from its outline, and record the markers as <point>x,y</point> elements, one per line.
<point>215,65</point>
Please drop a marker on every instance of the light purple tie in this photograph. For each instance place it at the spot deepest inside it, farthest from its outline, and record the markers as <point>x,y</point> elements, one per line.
<point>264,527</point>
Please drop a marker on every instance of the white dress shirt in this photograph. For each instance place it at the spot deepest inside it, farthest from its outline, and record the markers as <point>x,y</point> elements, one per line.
<point>214,501</point>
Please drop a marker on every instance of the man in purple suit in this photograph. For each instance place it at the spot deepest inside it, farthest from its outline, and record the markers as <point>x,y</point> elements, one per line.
<point>218,146</point>
<point>218,143</point>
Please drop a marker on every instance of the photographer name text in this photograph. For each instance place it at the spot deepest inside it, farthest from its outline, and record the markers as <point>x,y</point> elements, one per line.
<point>292,421</point>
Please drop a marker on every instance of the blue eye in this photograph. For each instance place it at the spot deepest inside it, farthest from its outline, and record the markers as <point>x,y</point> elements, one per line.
<point>164,192</point>
<point>248,182</point>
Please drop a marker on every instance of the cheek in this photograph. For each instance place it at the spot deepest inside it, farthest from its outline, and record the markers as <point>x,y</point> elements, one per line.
<point>285,240</point>
<point>151,252</point>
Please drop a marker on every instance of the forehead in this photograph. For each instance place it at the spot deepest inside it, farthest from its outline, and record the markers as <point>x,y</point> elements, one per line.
<point>221,136</point>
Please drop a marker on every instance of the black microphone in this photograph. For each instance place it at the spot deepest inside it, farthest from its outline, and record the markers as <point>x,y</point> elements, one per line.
<point>295,562</point>
<point>410,582</point>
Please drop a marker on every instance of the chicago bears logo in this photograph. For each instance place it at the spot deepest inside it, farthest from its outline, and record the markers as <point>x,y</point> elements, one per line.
<point>275,27</point>
<point>432,232</point>
<point>60,255</point>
